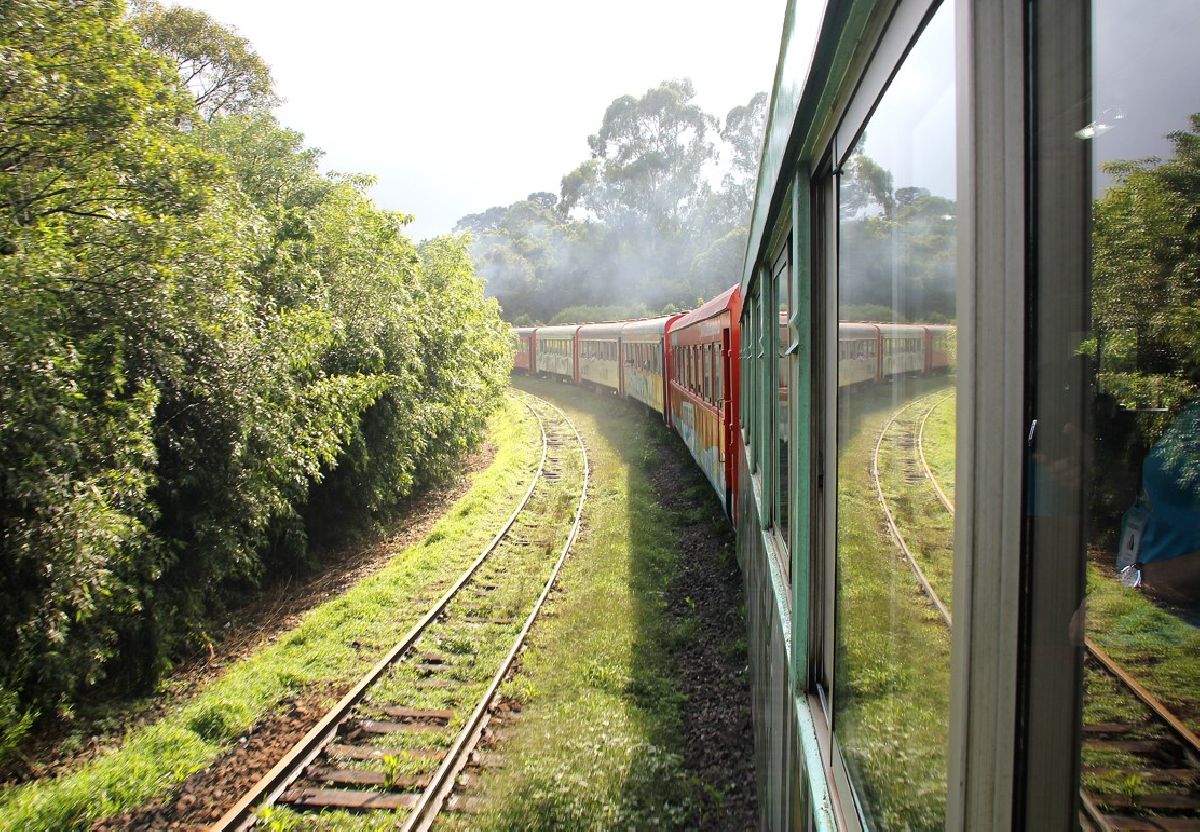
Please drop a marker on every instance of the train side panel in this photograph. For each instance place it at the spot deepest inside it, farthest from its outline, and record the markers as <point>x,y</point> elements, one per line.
<point>556,351</point>
<point>903,349</point>
<point>858,353</point>
<point>703,389</point>
<point>599,355</point>
<point>644,361</point>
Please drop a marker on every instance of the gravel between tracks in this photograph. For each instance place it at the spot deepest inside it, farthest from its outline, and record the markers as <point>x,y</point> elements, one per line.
<point>718,733</point>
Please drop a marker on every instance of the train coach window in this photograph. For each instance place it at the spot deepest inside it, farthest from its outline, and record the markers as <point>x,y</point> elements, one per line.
<point>780,314</point>
<point>895,447</point>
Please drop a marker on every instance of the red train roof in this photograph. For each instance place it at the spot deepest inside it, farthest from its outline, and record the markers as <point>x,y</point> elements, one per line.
<point>730,299</point>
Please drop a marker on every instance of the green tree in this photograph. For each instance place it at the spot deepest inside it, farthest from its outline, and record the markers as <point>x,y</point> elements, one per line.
<point>218,66</point>
<point>1146,284</point>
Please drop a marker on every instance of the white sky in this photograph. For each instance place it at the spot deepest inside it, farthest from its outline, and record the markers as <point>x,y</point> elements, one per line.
<point>459,106</point>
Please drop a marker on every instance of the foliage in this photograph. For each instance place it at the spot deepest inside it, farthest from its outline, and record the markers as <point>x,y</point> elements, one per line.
<point>199,329</point>
<point>334,644</point>
<point>882,226</point>
<point>1146,283</point>
<point>639,222</point>
<point>216,64</point>
<point>596,314</point>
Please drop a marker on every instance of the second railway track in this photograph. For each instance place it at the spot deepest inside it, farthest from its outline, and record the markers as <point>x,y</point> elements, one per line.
<point>399,740</point>
<point>1139,743</point>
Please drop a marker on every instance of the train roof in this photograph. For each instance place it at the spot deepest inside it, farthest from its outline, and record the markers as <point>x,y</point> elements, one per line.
<point>604,330</point>
<point>730,299</point>
<point>850,328</point>
<point>524,330</point>
<point>648,329</point>
<point>900,330</point>
<point>560,332</point>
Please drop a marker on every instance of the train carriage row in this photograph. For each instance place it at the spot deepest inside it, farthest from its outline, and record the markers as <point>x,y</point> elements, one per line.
<point>685,368</point>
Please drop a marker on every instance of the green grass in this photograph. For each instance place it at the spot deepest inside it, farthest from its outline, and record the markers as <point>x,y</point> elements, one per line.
<point>893,654</point>
<point>599,742</point>
<point>938,443</point>
<point>474,650</point>
<point>924,522</point>
<point>321,651</point>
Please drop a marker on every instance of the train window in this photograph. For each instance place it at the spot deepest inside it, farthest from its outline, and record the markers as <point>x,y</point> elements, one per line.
<point>706,360</point>
<point>894,530</point>
<point>780,315</point>
<point>1113,476</point>
<point>719,376</point>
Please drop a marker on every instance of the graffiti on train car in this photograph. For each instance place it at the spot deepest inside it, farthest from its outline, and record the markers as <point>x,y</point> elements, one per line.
<point>701,432</point>
<point>606,373</point>
<point>645,387</point>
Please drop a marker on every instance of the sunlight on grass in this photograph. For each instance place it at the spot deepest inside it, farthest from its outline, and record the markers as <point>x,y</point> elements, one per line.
<point>599,747</point>
<point>375,613</point>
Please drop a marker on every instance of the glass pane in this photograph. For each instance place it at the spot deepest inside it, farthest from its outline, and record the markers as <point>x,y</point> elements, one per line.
<point>1143,496</point>
<point>895,434</point>
<point>782,315</point>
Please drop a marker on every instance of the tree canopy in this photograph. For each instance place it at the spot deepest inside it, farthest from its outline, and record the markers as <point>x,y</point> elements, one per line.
<point>212,351</point>
<point>657,215</point>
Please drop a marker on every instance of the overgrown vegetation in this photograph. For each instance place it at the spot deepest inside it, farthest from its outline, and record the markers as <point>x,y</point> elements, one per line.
<point>333,645</point>
<point>656,218</point>
<point>210,349</point>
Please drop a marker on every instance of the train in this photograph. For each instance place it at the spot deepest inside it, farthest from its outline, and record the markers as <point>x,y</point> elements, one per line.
<point>685,367</point>
<point>1003,171</point>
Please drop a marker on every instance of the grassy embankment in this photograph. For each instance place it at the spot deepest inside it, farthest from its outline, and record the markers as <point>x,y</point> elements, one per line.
<point>599,744</point>
<point>1160,649</point>
<point>334,644</point>
<point>893,681</point>
<point>474,636</point>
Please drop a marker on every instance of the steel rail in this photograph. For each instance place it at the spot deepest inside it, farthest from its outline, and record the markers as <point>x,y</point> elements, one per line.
<point>284,773</point>
<point>921,452</point>
<point>1188,738</point>
<point>893,529</point>
<point>437,792</point>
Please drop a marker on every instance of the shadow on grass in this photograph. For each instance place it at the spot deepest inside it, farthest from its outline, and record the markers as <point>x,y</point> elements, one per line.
<point>682,683</point>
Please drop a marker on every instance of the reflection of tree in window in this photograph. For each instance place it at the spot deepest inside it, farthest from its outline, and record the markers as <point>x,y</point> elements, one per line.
<point>874,216</point>
<point>1146,313</point>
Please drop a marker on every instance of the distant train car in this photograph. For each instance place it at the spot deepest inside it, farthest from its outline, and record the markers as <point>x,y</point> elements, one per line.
<point>704,348</point>
<point>939,347</point>
<point>902,349</point>
<point>644,348</point>
<point>600,355</point>
<point>523,358</point>
<point>557,351</point>
<point>858,353</point>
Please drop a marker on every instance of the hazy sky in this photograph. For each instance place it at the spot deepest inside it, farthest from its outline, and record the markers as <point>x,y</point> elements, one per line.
<point>459,106</point>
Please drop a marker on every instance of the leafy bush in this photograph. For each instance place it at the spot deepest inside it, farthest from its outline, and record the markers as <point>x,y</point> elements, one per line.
<point>209,347</point>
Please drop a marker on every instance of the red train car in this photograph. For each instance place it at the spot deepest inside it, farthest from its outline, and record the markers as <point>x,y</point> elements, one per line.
<point>703,368</point>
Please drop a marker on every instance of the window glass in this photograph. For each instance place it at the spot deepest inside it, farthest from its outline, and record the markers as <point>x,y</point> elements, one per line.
<point>706,360</point>
<point>894,539</point>
<point>782,314</point>
<point>1141,486</point>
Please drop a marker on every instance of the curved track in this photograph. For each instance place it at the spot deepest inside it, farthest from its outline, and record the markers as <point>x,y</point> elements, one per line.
<point>893,528</point>
<point>301,780</point>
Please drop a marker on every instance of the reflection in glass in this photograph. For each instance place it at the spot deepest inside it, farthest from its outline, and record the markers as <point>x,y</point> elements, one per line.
<point>1143,499</point>
<point>895,432</point>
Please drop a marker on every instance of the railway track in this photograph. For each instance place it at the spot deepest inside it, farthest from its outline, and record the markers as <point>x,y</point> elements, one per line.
<point>400,740</point>
<point>1147,745</point>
